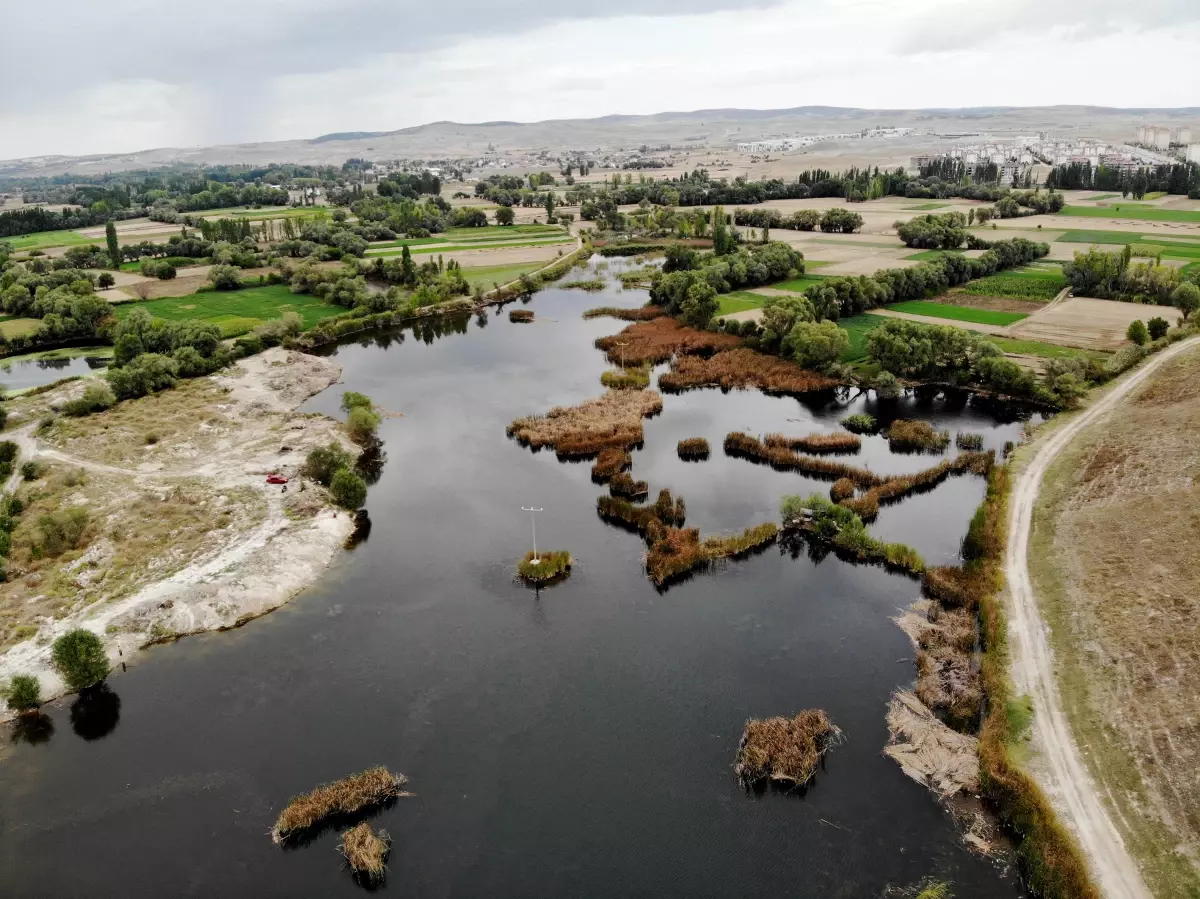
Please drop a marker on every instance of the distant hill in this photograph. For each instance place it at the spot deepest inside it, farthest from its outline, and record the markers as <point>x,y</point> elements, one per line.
<point>708,128</point>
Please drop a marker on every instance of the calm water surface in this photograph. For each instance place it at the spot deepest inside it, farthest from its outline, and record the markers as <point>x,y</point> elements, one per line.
<point>18,374</point>
<point>575,743</point>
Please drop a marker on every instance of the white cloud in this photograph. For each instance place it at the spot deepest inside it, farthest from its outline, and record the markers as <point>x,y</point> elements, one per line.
<point>286,72</point>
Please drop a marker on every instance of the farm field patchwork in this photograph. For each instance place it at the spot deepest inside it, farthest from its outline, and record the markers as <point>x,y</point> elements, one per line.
<point>237,311</point>
<point>1145,213</point>
<point>1122,237</point>
<point>44,240</point>
<point>1032,285</point>
<point>1037,348</point>
<point>957,313</point>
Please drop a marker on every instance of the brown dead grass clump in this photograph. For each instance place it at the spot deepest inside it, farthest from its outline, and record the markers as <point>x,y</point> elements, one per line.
<point>817,443</point>
<point>842,489</point>
<point>610,462</point>
<point>896,488</point>
<point>741,368</point>
<point>784,750</point>
<point>521,315</point>
<point>744,446</point>
<point>623,484</point>
<point>366,852</point>
<point>613,420</point>
<point>676,551</point>
<point>693,448</point>
<point>658,340</point>
<point>372,787</point>
<point>916,436</point>
<point>640,314</point>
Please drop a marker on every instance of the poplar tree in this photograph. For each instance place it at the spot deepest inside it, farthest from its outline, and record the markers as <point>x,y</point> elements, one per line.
<point>114,248</point>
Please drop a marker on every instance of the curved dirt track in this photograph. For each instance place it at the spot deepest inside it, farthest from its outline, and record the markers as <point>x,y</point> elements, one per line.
<point>1065,777</point>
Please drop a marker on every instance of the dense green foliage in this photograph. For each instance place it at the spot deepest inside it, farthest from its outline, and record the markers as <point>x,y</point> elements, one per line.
<point>1114,276</point>
<point>79,658</point>
<point>24,693</point>
<point>348,489</point>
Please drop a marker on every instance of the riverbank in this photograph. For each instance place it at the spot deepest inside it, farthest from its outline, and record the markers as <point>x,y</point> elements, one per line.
<point>183,533</point>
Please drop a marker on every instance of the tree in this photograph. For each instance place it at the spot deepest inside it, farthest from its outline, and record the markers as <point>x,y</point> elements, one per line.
<point>348,489</point>
<point>105,281</point>
<point>324,462</point>
<point>722,242</point>
<point>353,400</point>
<point>1186,298</point>
<point>504,215</point>
<point>550,207</point>
<point>361,424</point>
<point>1158,327</point>
<point>114,246</point>
<point>1138,332</point>
<point>225,277</point>
<point>816,345</point>
<point>24,693</point>
<point>700,304</point>
<point>79,658</point>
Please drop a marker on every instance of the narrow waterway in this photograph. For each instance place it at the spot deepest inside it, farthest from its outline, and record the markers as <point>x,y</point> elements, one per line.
<point>577,742</point>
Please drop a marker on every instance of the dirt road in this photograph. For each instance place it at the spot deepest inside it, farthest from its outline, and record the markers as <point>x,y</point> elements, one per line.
<point>1065,777</point>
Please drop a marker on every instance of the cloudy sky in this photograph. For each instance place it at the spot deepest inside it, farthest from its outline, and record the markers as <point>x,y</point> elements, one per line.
<point>86,77</point>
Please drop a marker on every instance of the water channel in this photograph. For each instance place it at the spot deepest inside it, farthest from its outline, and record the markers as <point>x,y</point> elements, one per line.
<point>577,742</point>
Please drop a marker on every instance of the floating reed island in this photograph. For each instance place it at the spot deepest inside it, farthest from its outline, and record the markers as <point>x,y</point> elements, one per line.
<point>358,792</point>
<point>623,484</point>
<point>785,751</point>
<point>916,437</point>
<point>860,423</point>
<point>966,440</point>
<point>639,314</point>
<point>545,567</point>
<point>828,524</point>
<point>366,852</point>
<point>741,368</point>
<point>610,462</point>
<point>817,444</point>
<point>520,316</point>
<point>657,340</point>
<point>633,378</point>
<point>693,449</point>
<point>590,285</point>
<point>613,420</point>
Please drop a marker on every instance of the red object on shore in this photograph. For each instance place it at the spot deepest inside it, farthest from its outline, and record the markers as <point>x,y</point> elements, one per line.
<point>276,479</point>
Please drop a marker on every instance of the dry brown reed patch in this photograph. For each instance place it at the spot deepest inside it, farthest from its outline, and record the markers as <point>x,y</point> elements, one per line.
<point>842,489</point>
<point>610,462</point>
<point>948,682</point>
<point>612,420</point>
<point>657,340</point>
<point>927,750</point>
<point>817,443</point>
<point>366,852</point>
<point>896,488</point>
<point>741,368</point>
<point>785,750</point>
<point>520,315</point>
<point>693,448</point>
<point>916,436</point>
<point>640,314</point>
<point>744,446</point>
<point>623,484</point>
<point>370,788</point>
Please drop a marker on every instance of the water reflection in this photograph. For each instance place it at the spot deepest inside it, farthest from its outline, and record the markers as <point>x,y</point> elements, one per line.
<point>32,728</point>
<point>95,713</point>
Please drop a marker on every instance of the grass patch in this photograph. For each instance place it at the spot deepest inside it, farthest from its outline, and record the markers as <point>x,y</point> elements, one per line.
<point>929,255</point>
<point>237,311</point>
<point>366,852</point>
<point>1121,210</point>
<point>858,327</point>
<point>627,378</point>
<point>925,207</point>
<point>739,301</point>
<point>635,314</point>
<point>1044,350</point>
<point>551,565</point>
<point>467,245</point>
<point>1032,285</point>
<point>1124,237</point>
<point>45,240</point>
<point>177,261</point>
<point>957,313</point>
<point>798,285</point>
<point>488,275</point>
<point>13,327</point>
<point>692,449</point>
<point>741,368</point>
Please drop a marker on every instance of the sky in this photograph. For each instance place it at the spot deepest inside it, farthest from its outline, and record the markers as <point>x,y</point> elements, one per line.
<point>84,77</point>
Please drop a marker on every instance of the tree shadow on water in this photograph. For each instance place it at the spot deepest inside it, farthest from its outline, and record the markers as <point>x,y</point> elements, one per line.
<point>94,715</point>
<point>33,728</point>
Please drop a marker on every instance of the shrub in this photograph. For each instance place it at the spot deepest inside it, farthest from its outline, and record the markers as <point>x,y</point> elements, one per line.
<point>95,398</point>
<point>693,448</point>
<point>62,530</point>
<point>147,373</point>
<point>79,658</point>
<point>105,281</point>
<point>348,489</point>
<point>816,345</point>
<point>1158,327</point>
<point>24,693</point>
<point>551,565</point>
<point>361,424</point>
<point>31,470</point>
<point>354,400</point>
<point>860,423</point>
<point>324,462</point>
<point>225,277</point>
<point>250,345</point>
<point>1186,298</point>
<point>1137,332</point>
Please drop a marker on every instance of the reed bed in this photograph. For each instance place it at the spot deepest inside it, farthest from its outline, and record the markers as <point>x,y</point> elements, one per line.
<point>741,368</point>
<point>657,340</point>
<point>748,541</point>
<point>552,565</point>
<point>623,484</point>
<point>640,314</point>
<point>952,587</point>
<point>948,682</point>
<point>612,420</point>
<point>896,488</point>
<point>966,440</point>
<point>840,528</point>
<point>781,458</point>
<point>785,750</point>
<point>675,552</point>
<point>622,512</point>
<point>843,444</point>
<point>693,449</point>
<point>520,316</point>
<point>916,436</point>
<point>627,378</point>
<point>670,510</point>
<point>590,285</point>
<point>373,787</point>
<point>609,463</point>
<point>861,423</point>
<point>842,489</point>
<point>366,852</point>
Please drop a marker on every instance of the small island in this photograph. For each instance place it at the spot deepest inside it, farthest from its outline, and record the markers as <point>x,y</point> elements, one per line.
<point>544,568</point>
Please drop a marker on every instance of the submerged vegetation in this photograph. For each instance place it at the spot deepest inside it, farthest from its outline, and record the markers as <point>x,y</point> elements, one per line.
<point>371,788</point>
<point>544,567</point>
<point>785,750</point>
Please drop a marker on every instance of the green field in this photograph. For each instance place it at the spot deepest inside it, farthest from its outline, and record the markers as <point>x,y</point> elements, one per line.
<point>12,327</point>
<point>460,247</point>
<point>1103,197</point>
<point>491,232</point>
<point>798,285</point>
<point>927,255</point>
<point>237,311</point>
<point>1123,237</point>
<point>486,275</point>
<point>857,327</point>
<point>1035,348</point>
<point>957,313</point>
<point>251,215</point>
<point>1025,285</point>
<point>406,242</point>
<point>739,301</point>
<point>1168,250</point>
<point>925,207</point>
<point>44,240</point>
<point>1146,213</point>
<point>177,261</point>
